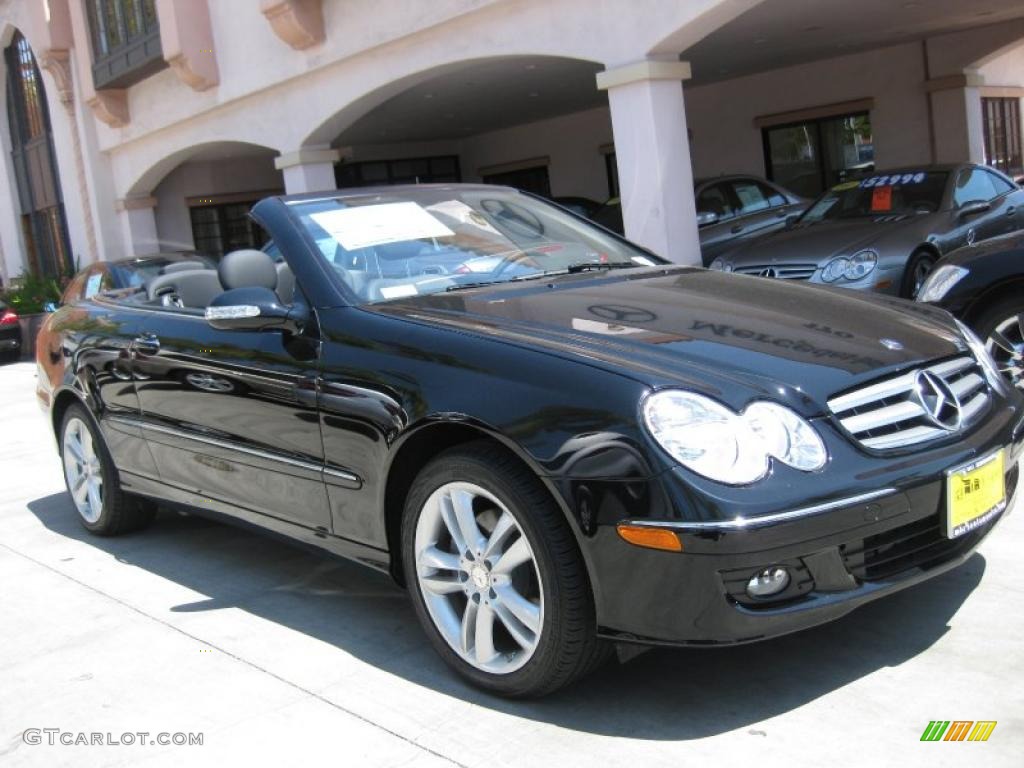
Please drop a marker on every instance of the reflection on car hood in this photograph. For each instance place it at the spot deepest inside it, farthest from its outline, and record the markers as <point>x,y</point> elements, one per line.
<point>732,336</point>
<point>818,243</point>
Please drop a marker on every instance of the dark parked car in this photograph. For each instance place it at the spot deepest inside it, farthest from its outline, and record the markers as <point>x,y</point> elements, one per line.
<point>610,450</point>
<point>983,285</point>
<point>729,209</point>
<point>886,232</point>
<point>132,272</point>
<point>10,334</point>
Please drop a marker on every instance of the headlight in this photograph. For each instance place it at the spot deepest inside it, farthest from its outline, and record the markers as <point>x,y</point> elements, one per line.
<point>939,282</point>
<point>984,358</point>
<point>729,447</point>
<point>721,265</point>
<point>850,267</point>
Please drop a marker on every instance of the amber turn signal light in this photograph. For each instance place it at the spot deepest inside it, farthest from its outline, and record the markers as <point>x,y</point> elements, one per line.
<point>652,538</point>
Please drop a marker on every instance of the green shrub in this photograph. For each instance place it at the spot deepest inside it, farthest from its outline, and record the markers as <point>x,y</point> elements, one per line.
<point>29,293</point>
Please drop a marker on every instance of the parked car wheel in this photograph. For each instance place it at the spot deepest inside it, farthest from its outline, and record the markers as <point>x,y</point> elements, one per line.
<point>1002,328</point>
<point>103,508</point>
<point>495,574</point>
<point>921,264</point>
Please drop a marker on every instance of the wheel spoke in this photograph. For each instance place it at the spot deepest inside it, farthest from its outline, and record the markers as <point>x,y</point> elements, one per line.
<point>441,585</point>
<point>74,446</point>
<point>95,499</point>
<point>432,557</point>
<point>80,489</point>
<point>468,630</point>
<point>514,556</point>
<point>496,541</point>
<point>452,524</point>
<point>520,633</point>
<point>1020,326</point>
<point>483,638</point>
<point>1002,342</point>
<point>462,503</point>
<point>87,449</point>
<point>526,612</point>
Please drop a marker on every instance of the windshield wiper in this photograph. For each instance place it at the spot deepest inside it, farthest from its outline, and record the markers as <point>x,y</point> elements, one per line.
<point>587,266</point>
<point>484,283</point>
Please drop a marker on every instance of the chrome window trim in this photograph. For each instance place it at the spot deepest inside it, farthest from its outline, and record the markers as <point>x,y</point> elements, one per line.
<point>232,446</point>
<point>745,523</point>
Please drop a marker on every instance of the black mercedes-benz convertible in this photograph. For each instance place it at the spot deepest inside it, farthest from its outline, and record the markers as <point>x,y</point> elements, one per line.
<point>556,441</point>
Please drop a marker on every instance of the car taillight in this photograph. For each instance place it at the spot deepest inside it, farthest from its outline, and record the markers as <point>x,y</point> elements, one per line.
<point>8,318</point>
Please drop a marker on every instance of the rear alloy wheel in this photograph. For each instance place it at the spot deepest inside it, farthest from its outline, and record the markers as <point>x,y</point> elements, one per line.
<point>918,268</point>
<point>495,574</point>
<point>1002,328</point>
<point>92,480</point>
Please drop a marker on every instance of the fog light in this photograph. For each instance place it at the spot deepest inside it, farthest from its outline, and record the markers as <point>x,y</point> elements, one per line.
<point>768,582</point>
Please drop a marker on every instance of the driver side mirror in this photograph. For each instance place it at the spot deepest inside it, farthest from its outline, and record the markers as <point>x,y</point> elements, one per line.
<point>704,218</point>
<point>972,208</point>
<point>50,307</point>
<point>254,309</point>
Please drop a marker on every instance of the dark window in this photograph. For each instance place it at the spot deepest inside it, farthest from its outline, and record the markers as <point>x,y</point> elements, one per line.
<point>220,229</point>
<point>533,179</point>
<point>974,184</point>
<point>1002,129</point>
<point>35,167</point>
<point>125,41</point>
<point>811,156</point>
<point>611,169</point>
<point>416,170</point>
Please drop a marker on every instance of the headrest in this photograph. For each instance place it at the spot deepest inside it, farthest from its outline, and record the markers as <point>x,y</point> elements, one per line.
<point>247,268</point>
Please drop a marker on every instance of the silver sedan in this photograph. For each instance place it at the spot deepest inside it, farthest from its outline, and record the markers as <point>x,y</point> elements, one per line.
<point>885,232</point>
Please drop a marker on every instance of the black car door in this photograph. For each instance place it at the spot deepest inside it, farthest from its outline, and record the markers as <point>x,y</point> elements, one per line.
<point>977,185</point>
<point>232,416</point>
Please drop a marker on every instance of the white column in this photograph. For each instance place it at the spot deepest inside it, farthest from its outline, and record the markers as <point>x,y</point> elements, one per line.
<point>310,169</point>
<point>653,156</point>
<point>138,225</point>
<point>956,118</point>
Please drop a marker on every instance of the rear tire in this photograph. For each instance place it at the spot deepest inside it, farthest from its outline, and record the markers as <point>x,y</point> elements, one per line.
<point>91,478</point>
<point>920,265</point>
<point>519,630</point>
<point>1001,327</point>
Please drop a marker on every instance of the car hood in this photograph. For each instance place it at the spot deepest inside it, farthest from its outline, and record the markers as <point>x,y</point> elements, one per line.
<point>731,336</point>
<point>818,243</point>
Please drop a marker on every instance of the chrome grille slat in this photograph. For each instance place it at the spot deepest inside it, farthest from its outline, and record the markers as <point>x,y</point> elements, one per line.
<point>782,271</point>
<point>888,414</point>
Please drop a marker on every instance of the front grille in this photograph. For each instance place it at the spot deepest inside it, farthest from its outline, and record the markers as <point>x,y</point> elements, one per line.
<point>889,414</point>
<point>780,271</point>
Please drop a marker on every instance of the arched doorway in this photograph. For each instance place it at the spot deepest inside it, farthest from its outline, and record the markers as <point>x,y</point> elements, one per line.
<point>44,226</point>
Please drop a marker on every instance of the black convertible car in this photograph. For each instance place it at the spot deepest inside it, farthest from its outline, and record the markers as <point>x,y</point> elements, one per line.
<point>578,446</point>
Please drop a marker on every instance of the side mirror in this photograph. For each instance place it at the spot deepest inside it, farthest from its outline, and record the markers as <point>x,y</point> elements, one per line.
<point>50,306</point>
<point>254,309</point>
<point>704,218</point>
<point>972,208</point>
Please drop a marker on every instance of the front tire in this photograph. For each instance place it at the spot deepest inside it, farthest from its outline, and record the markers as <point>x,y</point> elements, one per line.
<point>1002,328</point>
<point>496,578</point>
<point>103,508</point>
<point>920,265</point>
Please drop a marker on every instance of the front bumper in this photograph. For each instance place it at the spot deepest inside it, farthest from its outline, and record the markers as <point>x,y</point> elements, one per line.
<point>850,551</point>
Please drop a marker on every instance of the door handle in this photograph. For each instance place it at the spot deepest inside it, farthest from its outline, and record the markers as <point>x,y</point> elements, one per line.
<point>1010,211</point>
<point>146,344</point>
<point>736,229</point>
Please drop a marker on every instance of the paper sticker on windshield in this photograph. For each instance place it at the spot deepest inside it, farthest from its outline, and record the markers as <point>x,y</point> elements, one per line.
<point>913,177</point>
<point>881,199</point>
<point>92,286</point>
<point>398,291</point>
<point>462,214</point>
<point>368,225</point>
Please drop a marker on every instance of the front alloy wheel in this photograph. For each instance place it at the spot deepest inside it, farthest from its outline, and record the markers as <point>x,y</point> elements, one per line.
<point>83,470</point>
<point>1006,345</point>
<point>495,574</point>
<point>479,578</point>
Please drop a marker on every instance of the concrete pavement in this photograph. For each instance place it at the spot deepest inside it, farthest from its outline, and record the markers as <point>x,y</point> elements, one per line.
<point>278,656</point>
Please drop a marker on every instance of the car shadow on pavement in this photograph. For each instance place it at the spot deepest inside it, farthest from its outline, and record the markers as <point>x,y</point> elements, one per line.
<point>660,695</point>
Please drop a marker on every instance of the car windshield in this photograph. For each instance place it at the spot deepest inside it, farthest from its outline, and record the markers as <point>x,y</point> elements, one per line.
<point>894,194</point>
<point>137,272</point>
<point>387,245</point>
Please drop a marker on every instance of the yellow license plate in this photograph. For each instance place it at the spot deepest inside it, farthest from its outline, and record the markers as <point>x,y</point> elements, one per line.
<point>975,493</point>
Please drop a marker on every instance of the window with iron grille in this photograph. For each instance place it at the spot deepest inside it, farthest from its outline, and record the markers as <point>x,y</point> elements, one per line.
<point>417,170</point>
<point>222,228</point>
<point>125,41</point>
<point>1002,129</point>
<point>44,227</point>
